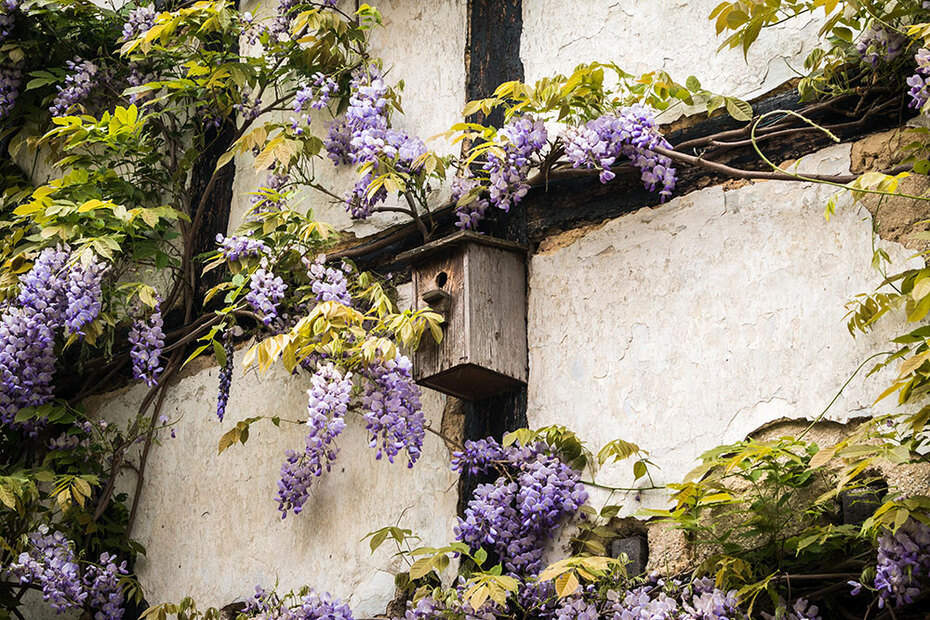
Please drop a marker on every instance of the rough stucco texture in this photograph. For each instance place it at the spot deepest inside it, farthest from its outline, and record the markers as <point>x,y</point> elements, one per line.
<point>693,323</point>
<point>210,523</point>
<point>635,34</point>
<point>422,45</point>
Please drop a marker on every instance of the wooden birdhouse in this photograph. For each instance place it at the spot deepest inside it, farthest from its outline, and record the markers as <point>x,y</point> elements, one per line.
<point>478,284</point>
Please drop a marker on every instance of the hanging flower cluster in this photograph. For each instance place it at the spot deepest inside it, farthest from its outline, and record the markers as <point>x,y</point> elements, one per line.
<point>51,566</point>
<point>78,85</point>
<point>328,402</point>
<point>517,514</point>
<point>632,133</point>
<point>390,405</point>
<point>364,136</point>
<point>148,340</point>
<point>57,293</point>
<point>920,82</point>
<point>903,561</point>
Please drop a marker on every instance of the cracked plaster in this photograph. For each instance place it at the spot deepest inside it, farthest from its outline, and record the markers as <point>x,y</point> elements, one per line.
<point>690,324</point>
<point>636,35</point>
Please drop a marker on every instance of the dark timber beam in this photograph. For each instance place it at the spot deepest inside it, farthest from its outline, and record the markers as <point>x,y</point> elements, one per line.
<point>566,203</point>
<point>492,56</point>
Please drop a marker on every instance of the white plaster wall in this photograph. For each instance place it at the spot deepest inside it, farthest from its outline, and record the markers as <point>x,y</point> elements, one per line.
<point>691,324</point>
<point>647,35</point>
<point>210,523</point>
<point>421,44</point>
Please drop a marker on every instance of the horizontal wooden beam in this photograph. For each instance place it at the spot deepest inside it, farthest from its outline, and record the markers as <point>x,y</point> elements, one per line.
<point>574,200</point>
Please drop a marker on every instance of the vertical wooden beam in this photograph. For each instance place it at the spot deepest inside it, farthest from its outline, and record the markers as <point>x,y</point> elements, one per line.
<point>217,140</point>
<point>492,56</point>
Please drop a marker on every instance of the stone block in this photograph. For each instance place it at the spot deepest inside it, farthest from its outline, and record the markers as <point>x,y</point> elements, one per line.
<point>636,549</point>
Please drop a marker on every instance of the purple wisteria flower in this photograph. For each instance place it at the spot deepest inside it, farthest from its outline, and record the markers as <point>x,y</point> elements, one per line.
<point>314,96</point>
<point>522,138</point>
<point>148,340</point>
<point>7,18</point>
<point>646,601</point>
<point>576,608</point>
<point>517,514</point>
<point>329,283</point>
<point>265,605</point>
<point>51,566</point>
<point>222,396</point>
<point>631,133</point>
<point>83,295</point>
<point>920,82</point>
<point>266,291</point>
<point>363,135</point>
<point>480,456</point>
<point>27,335</point>
<point>78,83</point>
<point>392,411</point>
<point>707,602</point>
<point>903,558</point>
<point>139,21</point>
<point>102,584</point>
<point>11,78</point>
<point>235,247</point>
<point>328,402</point>
<point>469,208</point>
<point>880,44</point>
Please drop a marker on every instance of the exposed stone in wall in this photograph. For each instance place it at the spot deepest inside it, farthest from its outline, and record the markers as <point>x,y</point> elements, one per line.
<point>896,218</point>
<point>453,423</point>
<point>693,323</point>
<point>902,480</point>
<point>669,551</point>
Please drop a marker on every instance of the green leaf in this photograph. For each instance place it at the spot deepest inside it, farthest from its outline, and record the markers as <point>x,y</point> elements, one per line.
<point>421,567</point>
<point>7,497</point>
<point>195,354</point>
<point>480,556</point>
<point>225,158</point>
<point>229,438</point>
<point>220,352</point>
<point>739,109</point>
<point>843,33</point>
<point>377,539</point>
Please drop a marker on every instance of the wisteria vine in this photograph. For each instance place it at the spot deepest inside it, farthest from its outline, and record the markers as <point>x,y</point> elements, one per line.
<point>67,296</point>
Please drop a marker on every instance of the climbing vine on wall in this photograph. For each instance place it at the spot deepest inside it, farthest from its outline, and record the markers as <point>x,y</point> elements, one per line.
<point>116,268</point>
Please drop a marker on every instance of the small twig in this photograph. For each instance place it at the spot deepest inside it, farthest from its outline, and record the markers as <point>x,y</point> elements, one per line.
<point>742,173</point>
<point>816,576</point>
<point>416,215</point>
<point>448,440</point>
<point>842,387</point>
<point>193,334</point>
<point>162,392</point>
<point>597,485</point>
